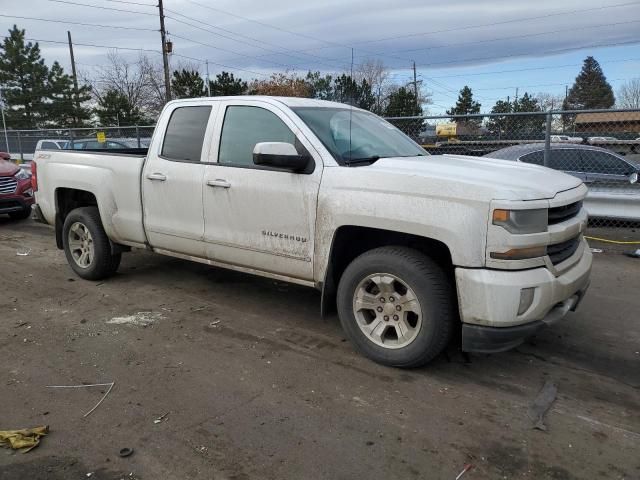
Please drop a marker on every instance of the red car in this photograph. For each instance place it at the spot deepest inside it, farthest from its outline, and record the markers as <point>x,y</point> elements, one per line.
<point>16,195</point>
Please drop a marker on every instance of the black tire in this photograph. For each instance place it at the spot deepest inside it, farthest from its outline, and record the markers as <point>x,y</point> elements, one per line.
<point>432,288</point>
<point>104,263</point>
<point>21,215</point>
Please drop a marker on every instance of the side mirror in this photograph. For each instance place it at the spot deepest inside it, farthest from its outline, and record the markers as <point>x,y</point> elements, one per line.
<point>279,155</point>
<point>633,178</point>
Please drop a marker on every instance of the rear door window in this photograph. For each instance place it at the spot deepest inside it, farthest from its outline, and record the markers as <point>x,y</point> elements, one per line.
<point>185,133</point>
<point>537,158</point>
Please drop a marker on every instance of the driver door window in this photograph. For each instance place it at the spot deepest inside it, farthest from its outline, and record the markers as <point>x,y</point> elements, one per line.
<point>243,128</point>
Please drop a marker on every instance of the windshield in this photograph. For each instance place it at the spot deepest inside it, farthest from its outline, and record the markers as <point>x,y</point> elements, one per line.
<point>352,135</point>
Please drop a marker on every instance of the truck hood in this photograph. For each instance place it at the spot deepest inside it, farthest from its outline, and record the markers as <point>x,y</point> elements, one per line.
<point>499,179</point>
<point>8,169</point>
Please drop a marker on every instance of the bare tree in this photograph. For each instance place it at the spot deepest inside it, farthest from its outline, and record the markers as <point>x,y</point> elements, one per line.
<point>629,94</point>
<point>377,76</point>
<point>141,82</point>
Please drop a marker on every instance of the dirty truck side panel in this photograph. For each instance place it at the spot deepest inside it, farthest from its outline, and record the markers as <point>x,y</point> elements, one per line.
<point>114,180</point>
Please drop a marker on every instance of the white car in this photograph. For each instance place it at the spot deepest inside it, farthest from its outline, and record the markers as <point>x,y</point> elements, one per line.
<point>51,144</point>
<point>596,140</point>
<point>408,246</point>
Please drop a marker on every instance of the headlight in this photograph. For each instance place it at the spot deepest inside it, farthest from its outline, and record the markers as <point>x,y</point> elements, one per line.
<point>522,221</point>
<point>22,175</point>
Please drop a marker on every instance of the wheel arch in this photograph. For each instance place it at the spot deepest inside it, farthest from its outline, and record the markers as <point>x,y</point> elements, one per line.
<point>350,241</point>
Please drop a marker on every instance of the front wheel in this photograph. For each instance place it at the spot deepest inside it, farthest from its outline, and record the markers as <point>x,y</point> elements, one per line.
<point>87,246</point>
<point>397,306</point>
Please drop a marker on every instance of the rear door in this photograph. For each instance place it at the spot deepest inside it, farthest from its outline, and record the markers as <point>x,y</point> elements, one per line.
<point>257,217</point>
<point>172,180</point>
<point>606,171</point>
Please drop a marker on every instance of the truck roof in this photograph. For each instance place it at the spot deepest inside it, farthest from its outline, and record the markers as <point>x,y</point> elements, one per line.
<point>289,101</point>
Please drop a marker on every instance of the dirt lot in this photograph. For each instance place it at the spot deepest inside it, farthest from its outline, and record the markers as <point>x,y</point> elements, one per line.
<point>257,386</point>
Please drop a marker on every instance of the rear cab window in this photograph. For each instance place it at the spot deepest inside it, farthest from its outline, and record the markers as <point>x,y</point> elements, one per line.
<point>184,137</point>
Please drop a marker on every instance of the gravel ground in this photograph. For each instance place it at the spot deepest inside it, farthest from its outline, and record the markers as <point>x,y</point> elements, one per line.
<point>253,384</point>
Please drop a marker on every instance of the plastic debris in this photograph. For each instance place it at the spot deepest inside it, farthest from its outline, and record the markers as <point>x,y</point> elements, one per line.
<point>125,452</point>
<point>160,418</point>
<point>541,405</point>
<point>466,468</point>
<point>110,385</point>
<point>596,250</point>
<point>635,254</point>
<point>23,440</point>
<point>23,253</point>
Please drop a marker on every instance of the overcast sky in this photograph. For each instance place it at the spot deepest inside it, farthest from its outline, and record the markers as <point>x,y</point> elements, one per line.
<point>493,46</point>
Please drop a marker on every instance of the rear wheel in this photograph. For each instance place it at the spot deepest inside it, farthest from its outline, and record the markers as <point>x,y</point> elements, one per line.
<point>397,306</point>
<point>87,246</point>
<point>22,214</point>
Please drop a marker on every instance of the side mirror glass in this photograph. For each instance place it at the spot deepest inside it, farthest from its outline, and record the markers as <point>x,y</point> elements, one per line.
<point>280,155</point>
<point>633,178</point>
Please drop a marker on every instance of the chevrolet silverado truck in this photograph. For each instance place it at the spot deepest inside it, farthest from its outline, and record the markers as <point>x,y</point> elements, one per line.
<point>412,249</point>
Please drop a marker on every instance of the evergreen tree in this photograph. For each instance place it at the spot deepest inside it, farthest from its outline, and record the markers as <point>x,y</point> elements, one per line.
<point>347,90</point>
<point>590,89</point>
<point>403,103</point>
<point>64,108</point>
<point>23,76</point>
<point>226,84</point>
<point>529,126</point>
<point>320,87</point>
<point>499,125</point>
<point>114,109</point>
<point>466,105</point>
<point>187,84</point>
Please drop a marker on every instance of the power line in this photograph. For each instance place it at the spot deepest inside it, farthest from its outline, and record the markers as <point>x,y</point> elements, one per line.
<point>133,3</point>
<point>528,69</point>
<point>560,50</point>
<point>67,22</point>
<point>503,22</point>
<point>475,42</point>
<point>68,2</point>
<point>199,60</point>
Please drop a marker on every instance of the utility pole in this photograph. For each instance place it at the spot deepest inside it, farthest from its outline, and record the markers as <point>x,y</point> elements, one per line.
<point>4,123</point>
<point>75,78</point>
<point>165,59</point>
<point>516,100</point>
<point>415,85</point>
<point>208,81</point>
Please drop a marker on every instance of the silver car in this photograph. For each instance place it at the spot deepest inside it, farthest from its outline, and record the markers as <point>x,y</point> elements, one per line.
<point>614,191</point>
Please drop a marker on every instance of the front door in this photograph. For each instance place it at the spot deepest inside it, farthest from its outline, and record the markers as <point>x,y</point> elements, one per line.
<point>257,217</point>
<point>172,182</point>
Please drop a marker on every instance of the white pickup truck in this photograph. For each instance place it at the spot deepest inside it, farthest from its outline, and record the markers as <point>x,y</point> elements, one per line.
<point>411,248</point>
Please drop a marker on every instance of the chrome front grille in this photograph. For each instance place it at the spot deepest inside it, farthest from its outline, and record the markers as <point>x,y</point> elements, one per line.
<point>564,213</point>
<point>8,185</point>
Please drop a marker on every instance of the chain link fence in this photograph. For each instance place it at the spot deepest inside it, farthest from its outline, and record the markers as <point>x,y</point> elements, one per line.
<point>602,148</point>
<point>21,144</point>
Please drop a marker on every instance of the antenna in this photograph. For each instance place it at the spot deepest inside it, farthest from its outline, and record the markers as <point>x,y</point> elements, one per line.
<point>351,103</point>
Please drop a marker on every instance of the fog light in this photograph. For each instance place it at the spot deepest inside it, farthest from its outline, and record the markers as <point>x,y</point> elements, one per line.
<point>28,193</point>
<point>526,299</point>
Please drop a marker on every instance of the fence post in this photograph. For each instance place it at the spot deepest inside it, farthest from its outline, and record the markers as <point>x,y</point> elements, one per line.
<point>138,135</point>
<point>71,139</point>
<point>547,139</point>
<point>20,147</point>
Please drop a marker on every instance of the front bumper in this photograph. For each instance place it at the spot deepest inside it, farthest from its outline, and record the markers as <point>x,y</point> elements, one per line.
<point>15,203</point>
<point>489,301</point>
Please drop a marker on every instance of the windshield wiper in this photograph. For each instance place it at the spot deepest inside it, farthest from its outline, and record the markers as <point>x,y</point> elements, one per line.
<point>357,161</point>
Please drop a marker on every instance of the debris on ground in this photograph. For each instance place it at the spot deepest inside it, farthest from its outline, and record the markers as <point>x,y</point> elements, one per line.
<point>466,468</point>
<point>23,253</point>
<point>125,452</point>
<point>140,319</point>
<point>23,440</point>
<point>160,418</point>
<point>541,405</point>
<point>110,385</point>
<point>214,323</point>
<point>596,250</point>
<point>635,254</point>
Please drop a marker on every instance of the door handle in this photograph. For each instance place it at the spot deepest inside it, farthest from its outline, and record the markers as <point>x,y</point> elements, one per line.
<point>157,176</point>
<point>219,182</point>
